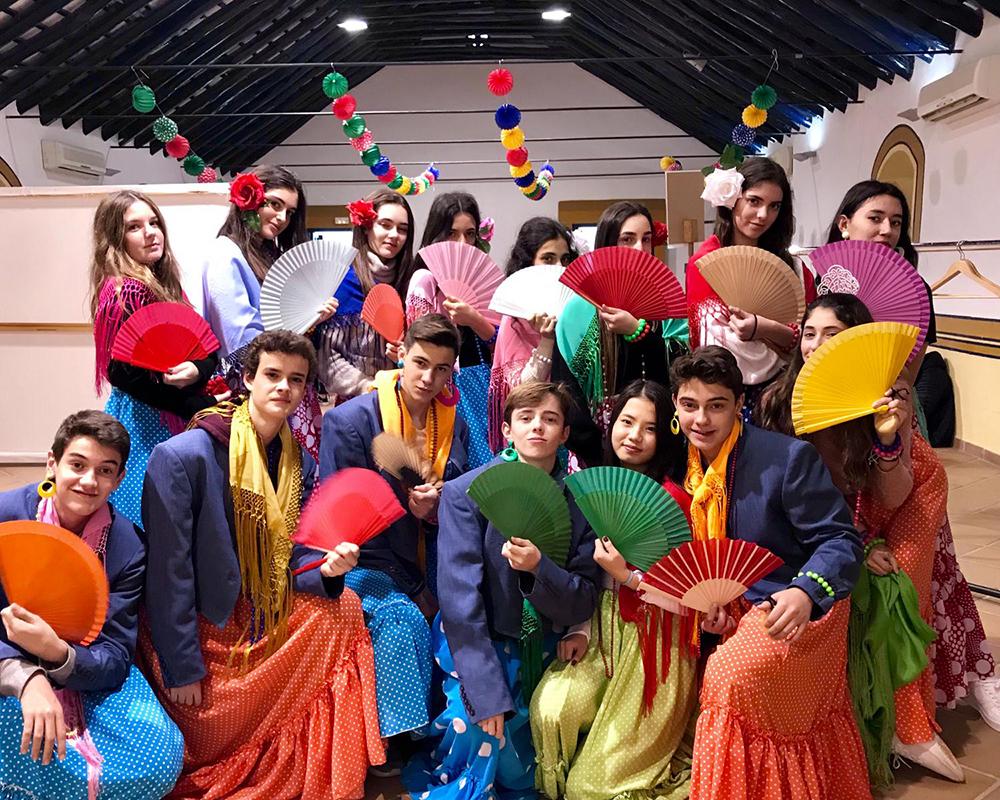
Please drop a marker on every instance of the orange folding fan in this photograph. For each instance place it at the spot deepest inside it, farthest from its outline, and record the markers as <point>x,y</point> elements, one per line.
<point>162,335</point>
<point>352,505</point>
<point>701,573</point>
<point>383,310</point>
<point>465,273</point>
<point>54,574</point>
<point>629,279</point>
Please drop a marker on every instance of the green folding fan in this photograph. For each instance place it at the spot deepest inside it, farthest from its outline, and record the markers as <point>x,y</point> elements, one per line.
<point>521,500</point>
<point>635,512</point>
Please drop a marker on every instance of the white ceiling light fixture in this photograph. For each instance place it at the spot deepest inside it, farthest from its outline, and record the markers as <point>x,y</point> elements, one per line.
<point>556,15</point>
<point>353,25</point>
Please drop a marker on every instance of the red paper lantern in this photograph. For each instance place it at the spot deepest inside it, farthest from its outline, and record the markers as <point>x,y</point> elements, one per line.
<point>517,157</point>
<point>178,147</point>
<point>208,175</point>
<point>344,107</point>
<point>389,176</point>
<point>500,81</point>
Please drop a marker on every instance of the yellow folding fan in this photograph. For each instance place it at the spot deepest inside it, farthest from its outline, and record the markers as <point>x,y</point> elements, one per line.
<point>848,373</point>
<point>756,281</point>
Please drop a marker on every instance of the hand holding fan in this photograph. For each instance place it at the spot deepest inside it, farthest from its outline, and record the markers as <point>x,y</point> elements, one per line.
<point>162,335</point>
<point>755,281</point>
<point>880,278</point>
<point>522,501</point>
<point>352,505</point>
<point>465,273</point>
<point>848,373</point>
<point>383,310</point>
<point>300,281</point>
<point>53,573</point>
<point>635,512</point>
<point>530,291</point>
<point>717,571</point>
<point>629,279</point>
<point>399,459</point>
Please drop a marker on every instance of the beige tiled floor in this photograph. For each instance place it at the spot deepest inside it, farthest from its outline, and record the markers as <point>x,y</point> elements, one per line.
<point>974,507</point>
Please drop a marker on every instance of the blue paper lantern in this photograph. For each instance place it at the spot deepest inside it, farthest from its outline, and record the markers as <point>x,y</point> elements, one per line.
<point>381,167</point>
<point>508,116</point>
<point>526,180</point>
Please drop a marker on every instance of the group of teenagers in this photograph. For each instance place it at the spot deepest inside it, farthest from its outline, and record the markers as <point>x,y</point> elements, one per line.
<point>223,670</point>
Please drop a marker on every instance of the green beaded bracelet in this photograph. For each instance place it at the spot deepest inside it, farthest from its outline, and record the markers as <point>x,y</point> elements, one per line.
<point>823,583</point>
<point>637,332</point>
<point>872,545</point>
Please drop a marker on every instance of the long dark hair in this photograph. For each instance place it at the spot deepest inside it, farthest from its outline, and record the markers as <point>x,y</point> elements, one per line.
<point>774,408</point>
<point>670,458</point>
<point>533,234</point>
<point>609,226</point>
<point>778,237</point>
<point>404,258</point>
<point>442,215</point>
<point>261,253</point>
<point>861,193</point>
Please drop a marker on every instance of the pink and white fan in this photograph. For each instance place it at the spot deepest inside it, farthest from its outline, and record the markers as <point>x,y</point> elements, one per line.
<point>465,273</point>
<point>880,278</point>
<point>532,290</point>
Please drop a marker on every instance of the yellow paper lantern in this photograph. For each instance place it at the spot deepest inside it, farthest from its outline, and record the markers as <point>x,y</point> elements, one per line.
<point>404,187</point>
<point>512,138</point>
<point>754,117</point>
<point>529,189</point>
<point>521,171</point>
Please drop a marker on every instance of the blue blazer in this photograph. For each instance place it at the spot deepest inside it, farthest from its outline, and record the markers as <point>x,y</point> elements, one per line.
<point>348,431</point>
<point>103,665</point>
<point>783,498</point>
<point>481,595</point>
<point>187,513</point>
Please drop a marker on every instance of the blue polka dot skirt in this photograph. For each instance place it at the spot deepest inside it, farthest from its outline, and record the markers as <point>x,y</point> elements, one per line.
<point>141,747</point>
<point>146,430</point>
<point>473,386</point>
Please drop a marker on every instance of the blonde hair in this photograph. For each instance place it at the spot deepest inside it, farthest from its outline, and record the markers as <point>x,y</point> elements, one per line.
<point>111,259</point>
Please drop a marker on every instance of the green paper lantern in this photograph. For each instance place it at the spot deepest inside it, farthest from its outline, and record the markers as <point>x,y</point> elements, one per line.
<point>764,97</point>
<point>335,85</point>
<point>370,156</point>
<point>194,165</point>
<point>354,127</point>
<point>143,99</point>
<point>164,129</point>
<point>396,182</point>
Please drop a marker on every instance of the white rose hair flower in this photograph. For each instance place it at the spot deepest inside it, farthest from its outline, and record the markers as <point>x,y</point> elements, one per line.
<point>723,187</point>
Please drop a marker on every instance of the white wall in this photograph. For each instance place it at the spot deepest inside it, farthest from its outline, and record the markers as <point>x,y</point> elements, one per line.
<point>20,147</point>
<point>464,87</point>
<point>961,179</point>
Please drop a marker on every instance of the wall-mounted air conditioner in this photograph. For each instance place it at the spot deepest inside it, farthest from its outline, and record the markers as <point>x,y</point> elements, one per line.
<point>73,163</point>
<point>974,86</point>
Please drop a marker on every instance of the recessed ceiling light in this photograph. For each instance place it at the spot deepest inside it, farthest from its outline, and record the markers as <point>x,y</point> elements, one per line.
<point>556,14</point>
<point>353,25</point>
<point>484,36</point>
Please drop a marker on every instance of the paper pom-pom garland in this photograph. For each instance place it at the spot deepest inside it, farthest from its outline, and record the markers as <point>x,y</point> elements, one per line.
<point>533,185</point>
<point>764,97</point>
<point>744,133</point>
<point>670,164</point>
<point>194,165</point>
<point>344,107</point>
<point>754,117</point>
<point>178,147</point>
<point>143,99</point>
<point>164,129</point>
<point>208,175</point>
<point>500,81</point>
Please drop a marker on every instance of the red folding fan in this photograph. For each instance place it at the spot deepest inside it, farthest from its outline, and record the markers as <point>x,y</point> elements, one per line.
<point>352,505</point>
<point>383,310</point>
<point>701,573</point>
<point>465,273</point>
<point>629,279</point>
<point>53,573</point>
<point>162,335</point>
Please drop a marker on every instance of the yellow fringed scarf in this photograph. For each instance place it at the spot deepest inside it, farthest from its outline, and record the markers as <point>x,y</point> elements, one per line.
<point>264,519</point>
<point>709,504</point>
<point>396,420</point>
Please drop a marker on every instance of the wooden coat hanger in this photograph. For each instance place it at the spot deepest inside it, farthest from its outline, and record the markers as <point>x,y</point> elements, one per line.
<point>964,266</point>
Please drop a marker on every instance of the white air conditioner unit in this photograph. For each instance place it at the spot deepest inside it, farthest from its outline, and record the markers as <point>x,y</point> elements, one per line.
<point>71,162</point>
<point>974,86</point>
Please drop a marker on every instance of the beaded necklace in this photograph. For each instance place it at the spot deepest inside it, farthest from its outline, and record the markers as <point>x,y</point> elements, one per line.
<point>432,440</point>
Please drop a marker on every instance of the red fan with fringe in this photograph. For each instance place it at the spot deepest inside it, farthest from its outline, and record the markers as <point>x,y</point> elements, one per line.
<point>383,310</point>
<point>352,505</point>
<point>53,573</point>
<point>629,279</point>
<point>701,573</point>
<point>465,273</point>
<point>162,335</point>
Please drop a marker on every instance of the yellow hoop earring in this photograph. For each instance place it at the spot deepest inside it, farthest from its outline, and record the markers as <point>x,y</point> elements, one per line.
<point>47,488</point>
<point>675,425</point>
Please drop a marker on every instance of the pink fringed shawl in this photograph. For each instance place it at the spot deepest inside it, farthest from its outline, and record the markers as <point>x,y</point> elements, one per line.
<point>515,341</point>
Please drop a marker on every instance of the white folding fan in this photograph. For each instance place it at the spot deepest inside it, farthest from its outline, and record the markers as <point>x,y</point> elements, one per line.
<point>530,291</point>
<point>300,281</point>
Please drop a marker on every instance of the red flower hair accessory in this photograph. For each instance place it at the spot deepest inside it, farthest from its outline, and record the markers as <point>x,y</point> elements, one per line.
<point>246,192</point>
<point>660,233</point>
<point>362,213</point>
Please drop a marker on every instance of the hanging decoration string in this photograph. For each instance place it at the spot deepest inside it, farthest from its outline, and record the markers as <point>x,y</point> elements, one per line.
<point>508,119</point>
<point>165,130</point>
<point>344,108</point>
